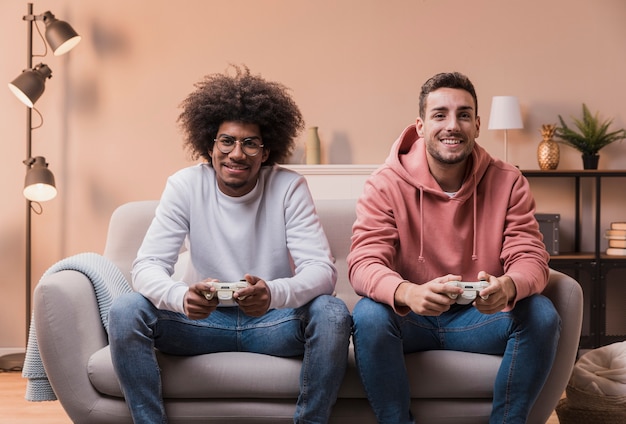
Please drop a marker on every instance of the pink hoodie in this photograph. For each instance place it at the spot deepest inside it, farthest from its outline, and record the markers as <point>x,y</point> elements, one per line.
<point>407,228</point>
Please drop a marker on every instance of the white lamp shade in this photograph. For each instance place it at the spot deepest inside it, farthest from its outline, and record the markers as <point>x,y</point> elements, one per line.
<point>505,113</point>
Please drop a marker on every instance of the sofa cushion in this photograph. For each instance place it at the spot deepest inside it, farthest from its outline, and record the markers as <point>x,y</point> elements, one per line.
<point>446,374</point>
<point>216,375</point>
<point>433,374</point>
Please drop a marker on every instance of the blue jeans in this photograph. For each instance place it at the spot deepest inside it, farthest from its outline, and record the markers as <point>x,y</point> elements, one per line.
<point>527,338</point>
<point>318,331</point>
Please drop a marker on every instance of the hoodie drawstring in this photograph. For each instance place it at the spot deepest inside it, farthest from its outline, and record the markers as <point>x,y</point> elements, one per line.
<point>475,235</point>
<point>421,255</point>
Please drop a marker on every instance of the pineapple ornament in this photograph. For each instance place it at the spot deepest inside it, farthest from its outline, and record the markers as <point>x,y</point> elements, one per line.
<point>548,149</point>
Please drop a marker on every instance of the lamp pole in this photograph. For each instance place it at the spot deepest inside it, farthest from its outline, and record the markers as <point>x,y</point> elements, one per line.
<point>29,132</point>
<point>506,149</point>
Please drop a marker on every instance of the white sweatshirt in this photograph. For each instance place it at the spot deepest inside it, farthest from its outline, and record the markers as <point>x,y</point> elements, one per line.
<point>273,232</point>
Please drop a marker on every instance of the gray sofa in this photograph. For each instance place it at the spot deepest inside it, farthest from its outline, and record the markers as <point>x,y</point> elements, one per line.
<point>447,387</point>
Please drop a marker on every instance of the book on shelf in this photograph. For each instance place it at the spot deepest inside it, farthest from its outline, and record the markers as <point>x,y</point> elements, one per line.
<point>618,225</point>
<point>621,244</point>
<point>615,234</point>
<point>615,251</point>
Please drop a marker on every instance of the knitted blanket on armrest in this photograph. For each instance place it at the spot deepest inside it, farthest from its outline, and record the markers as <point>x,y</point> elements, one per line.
<point>108,283</point>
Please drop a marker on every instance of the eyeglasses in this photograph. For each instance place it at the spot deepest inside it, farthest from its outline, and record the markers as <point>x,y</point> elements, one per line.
<point>249,145</point>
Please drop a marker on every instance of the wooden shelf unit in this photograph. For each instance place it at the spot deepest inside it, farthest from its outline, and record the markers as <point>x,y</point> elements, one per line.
<point>593,270</point>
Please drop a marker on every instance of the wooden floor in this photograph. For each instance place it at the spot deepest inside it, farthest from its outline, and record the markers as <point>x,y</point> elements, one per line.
<point>14,409</point>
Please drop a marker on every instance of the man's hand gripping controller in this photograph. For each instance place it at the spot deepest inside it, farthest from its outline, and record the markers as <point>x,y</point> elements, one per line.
<point>470,291</point>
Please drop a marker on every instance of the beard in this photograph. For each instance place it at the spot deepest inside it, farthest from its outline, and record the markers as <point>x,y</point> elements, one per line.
<point>449,159</point>
<point>235,184</point>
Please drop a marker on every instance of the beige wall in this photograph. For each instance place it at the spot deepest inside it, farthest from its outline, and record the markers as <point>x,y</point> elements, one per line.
<point>355,68</point>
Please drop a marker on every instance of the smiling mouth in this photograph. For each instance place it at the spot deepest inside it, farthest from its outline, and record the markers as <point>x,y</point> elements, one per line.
<point>450,141</point>
<point>235,167</point>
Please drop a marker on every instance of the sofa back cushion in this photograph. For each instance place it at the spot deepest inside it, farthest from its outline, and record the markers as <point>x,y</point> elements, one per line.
<point>337,217</point>
<point>127,228</point>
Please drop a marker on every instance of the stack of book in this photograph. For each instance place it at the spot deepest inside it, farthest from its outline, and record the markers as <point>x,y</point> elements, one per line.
<point>616,235</point>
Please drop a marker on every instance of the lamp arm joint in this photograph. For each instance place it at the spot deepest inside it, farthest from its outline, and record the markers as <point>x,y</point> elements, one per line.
<point>32,17</point>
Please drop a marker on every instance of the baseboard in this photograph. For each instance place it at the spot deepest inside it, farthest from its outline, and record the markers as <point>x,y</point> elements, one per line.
<point>11,358</point>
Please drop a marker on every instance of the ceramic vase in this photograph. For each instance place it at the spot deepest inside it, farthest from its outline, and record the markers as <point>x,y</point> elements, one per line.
<point>312,147</point>
<point>548,153</point>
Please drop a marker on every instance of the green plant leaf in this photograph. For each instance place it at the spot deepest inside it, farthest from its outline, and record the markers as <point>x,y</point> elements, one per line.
<point>589,134</point>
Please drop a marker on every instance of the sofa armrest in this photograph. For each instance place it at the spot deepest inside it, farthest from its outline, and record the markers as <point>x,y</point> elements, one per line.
<point>69,331</point>
<point>567,297</point>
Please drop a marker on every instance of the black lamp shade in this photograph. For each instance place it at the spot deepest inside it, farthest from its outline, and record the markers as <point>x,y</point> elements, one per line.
<point>60,35</point>
<point>30,84</point>
<point>39,183</point>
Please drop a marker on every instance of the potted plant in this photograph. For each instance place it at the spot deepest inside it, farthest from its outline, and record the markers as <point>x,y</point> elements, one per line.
<point>589,136</point>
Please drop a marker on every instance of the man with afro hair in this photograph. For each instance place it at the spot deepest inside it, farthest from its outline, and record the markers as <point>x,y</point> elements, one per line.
<point>242,217</point>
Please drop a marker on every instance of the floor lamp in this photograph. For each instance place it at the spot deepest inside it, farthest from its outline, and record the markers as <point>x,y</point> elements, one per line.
<point>39,184</point>
<point>505,115</point>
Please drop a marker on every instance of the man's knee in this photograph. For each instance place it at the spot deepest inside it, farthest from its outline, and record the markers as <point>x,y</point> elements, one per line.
<point>332,310</point>
<point>371,318</point>
<point>367,310</point>
<point>541,316</point>
<point>126,307</point>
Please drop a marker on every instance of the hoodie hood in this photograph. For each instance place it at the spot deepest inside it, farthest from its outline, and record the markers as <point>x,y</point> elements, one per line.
<point>408,160</point>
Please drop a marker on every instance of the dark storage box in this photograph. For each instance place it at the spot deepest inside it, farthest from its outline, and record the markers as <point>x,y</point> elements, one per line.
<point>549,227</point>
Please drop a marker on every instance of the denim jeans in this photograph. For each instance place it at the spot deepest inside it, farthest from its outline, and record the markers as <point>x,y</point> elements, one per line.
<point>318,331</point>
<point>527,338</point>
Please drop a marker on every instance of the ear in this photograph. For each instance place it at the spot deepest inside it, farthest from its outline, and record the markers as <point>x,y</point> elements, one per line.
<point>266,154</point>
<point>419,125</point>
<point>210,157</point>
<point>477,127</point>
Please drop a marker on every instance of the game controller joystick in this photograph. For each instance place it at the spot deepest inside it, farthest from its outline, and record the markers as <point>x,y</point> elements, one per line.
<point>224,291</point>
<point>470,291</point>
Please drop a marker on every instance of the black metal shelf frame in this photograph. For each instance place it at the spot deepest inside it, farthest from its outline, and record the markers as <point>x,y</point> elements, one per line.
<point>589,268</point>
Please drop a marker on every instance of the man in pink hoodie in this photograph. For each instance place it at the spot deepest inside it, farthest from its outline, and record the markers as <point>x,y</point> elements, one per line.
<point>441,209</point>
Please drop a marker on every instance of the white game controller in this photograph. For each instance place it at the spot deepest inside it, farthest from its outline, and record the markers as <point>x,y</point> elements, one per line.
<point>470,291</point>
<point>225,291</point>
